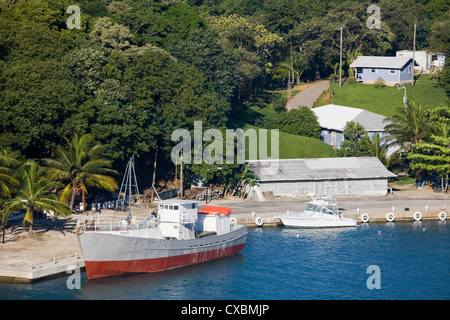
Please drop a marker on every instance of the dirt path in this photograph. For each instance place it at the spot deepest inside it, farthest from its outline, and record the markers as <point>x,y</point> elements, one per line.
<point>309,94</point>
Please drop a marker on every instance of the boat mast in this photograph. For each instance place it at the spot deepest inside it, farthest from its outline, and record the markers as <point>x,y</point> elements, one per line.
<point>127,189</point>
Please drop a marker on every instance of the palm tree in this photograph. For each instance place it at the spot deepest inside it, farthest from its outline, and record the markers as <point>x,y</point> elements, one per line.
<point>35,195</point>
<point>79,166</point>
<point>377,147</point>
<point>8,163</point>
<point>409,126</point>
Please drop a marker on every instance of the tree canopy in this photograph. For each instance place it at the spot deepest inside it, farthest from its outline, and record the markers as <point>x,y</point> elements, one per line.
<point>137,70</point>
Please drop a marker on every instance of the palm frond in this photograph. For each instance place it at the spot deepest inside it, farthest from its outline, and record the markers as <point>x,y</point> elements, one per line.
<point>66,193</point>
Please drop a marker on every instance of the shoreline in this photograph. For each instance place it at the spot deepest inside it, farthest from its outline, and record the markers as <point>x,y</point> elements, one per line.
<point>53,249</point>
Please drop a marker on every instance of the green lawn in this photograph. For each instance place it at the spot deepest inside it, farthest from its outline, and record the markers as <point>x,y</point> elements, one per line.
<point>297,147</point>
<point>386,100</point>
<point>290,146</point>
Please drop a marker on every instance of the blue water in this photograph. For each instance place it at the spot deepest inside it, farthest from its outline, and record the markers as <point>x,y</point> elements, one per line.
<point>288,264</point>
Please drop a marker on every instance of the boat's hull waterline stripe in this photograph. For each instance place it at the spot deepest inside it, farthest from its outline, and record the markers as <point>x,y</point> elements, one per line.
<point>100,269</point>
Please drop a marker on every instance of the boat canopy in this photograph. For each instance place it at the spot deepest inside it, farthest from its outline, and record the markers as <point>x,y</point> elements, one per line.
<point>322,206</point>
<point>210,210</point>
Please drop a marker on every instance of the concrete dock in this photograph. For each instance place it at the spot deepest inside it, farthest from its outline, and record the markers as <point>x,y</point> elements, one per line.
<point>377,208</point>
<point>55,254</point>
<point>41,272</point>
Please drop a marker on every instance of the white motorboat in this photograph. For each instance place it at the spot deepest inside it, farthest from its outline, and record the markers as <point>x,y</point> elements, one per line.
<point>321,213</point>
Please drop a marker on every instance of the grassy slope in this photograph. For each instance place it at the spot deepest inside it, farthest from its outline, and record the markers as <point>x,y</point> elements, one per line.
<point>290,146</point>
<point>383,101</point>
<point>296,147</point>
<point>386,100</point>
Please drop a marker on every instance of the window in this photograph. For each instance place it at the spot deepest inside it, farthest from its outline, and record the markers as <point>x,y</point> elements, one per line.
<point>175,207</point>
<point>410,69</point>
<point>392,71</point>
<point>373,70</point>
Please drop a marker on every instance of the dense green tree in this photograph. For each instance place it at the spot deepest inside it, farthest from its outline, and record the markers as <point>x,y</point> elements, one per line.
<point>217,64</point>
<point>316,41</point>
<point>281,16</point>
<point>301,121</point>
<point>444,78</point>
<point>182,19</point>
<point>137,70</point>
<point>435,10</point>
<point>440,119</point>
<point>428,158</point>
<point>439,39</point>
<point>400,17</point>
<point>253,47</point>
<point>354,144</point>
<point>116,36</point>
<point>36,88</point>
<point>37,98</point>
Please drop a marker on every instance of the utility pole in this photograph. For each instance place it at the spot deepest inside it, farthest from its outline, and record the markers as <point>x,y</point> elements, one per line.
<point>414,52</point>
<point>290,83</point>
<point>340,62</point>
<point>154,173</point>
<point>181,175</point>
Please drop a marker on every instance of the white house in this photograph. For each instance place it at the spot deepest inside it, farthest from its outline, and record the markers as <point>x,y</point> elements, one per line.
<point>424,60</point>
<point>392,70</point>
<point>333,119</point>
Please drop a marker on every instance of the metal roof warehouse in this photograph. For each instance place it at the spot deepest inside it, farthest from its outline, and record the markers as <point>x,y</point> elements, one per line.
<point>312,177</point>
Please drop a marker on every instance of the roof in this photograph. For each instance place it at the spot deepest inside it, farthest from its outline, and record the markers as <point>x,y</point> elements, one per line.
<point>321,169</point>
<point>176,201</point>
<point>334,117</point>
<point>380,62</point>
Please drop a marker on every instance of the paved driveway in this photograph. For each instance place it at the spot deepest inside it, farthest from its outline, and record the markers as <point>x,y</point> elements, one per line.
<point>308,96</point>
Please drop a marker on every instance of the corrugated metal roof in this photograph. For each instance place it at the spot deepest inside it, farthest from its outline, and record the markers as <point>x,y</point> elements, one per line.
<point>380,62</point>
<point>335,117</point>
<point>319,169</point>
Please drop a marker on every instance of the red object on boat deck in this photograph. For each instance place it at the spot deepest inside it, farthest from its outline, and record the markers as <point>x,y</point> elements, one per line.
<point>210,210</point>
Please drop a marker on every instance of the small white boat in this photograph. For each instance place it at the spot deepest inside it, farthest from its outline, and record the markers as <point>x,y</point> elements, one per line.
<point>322,213</point>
